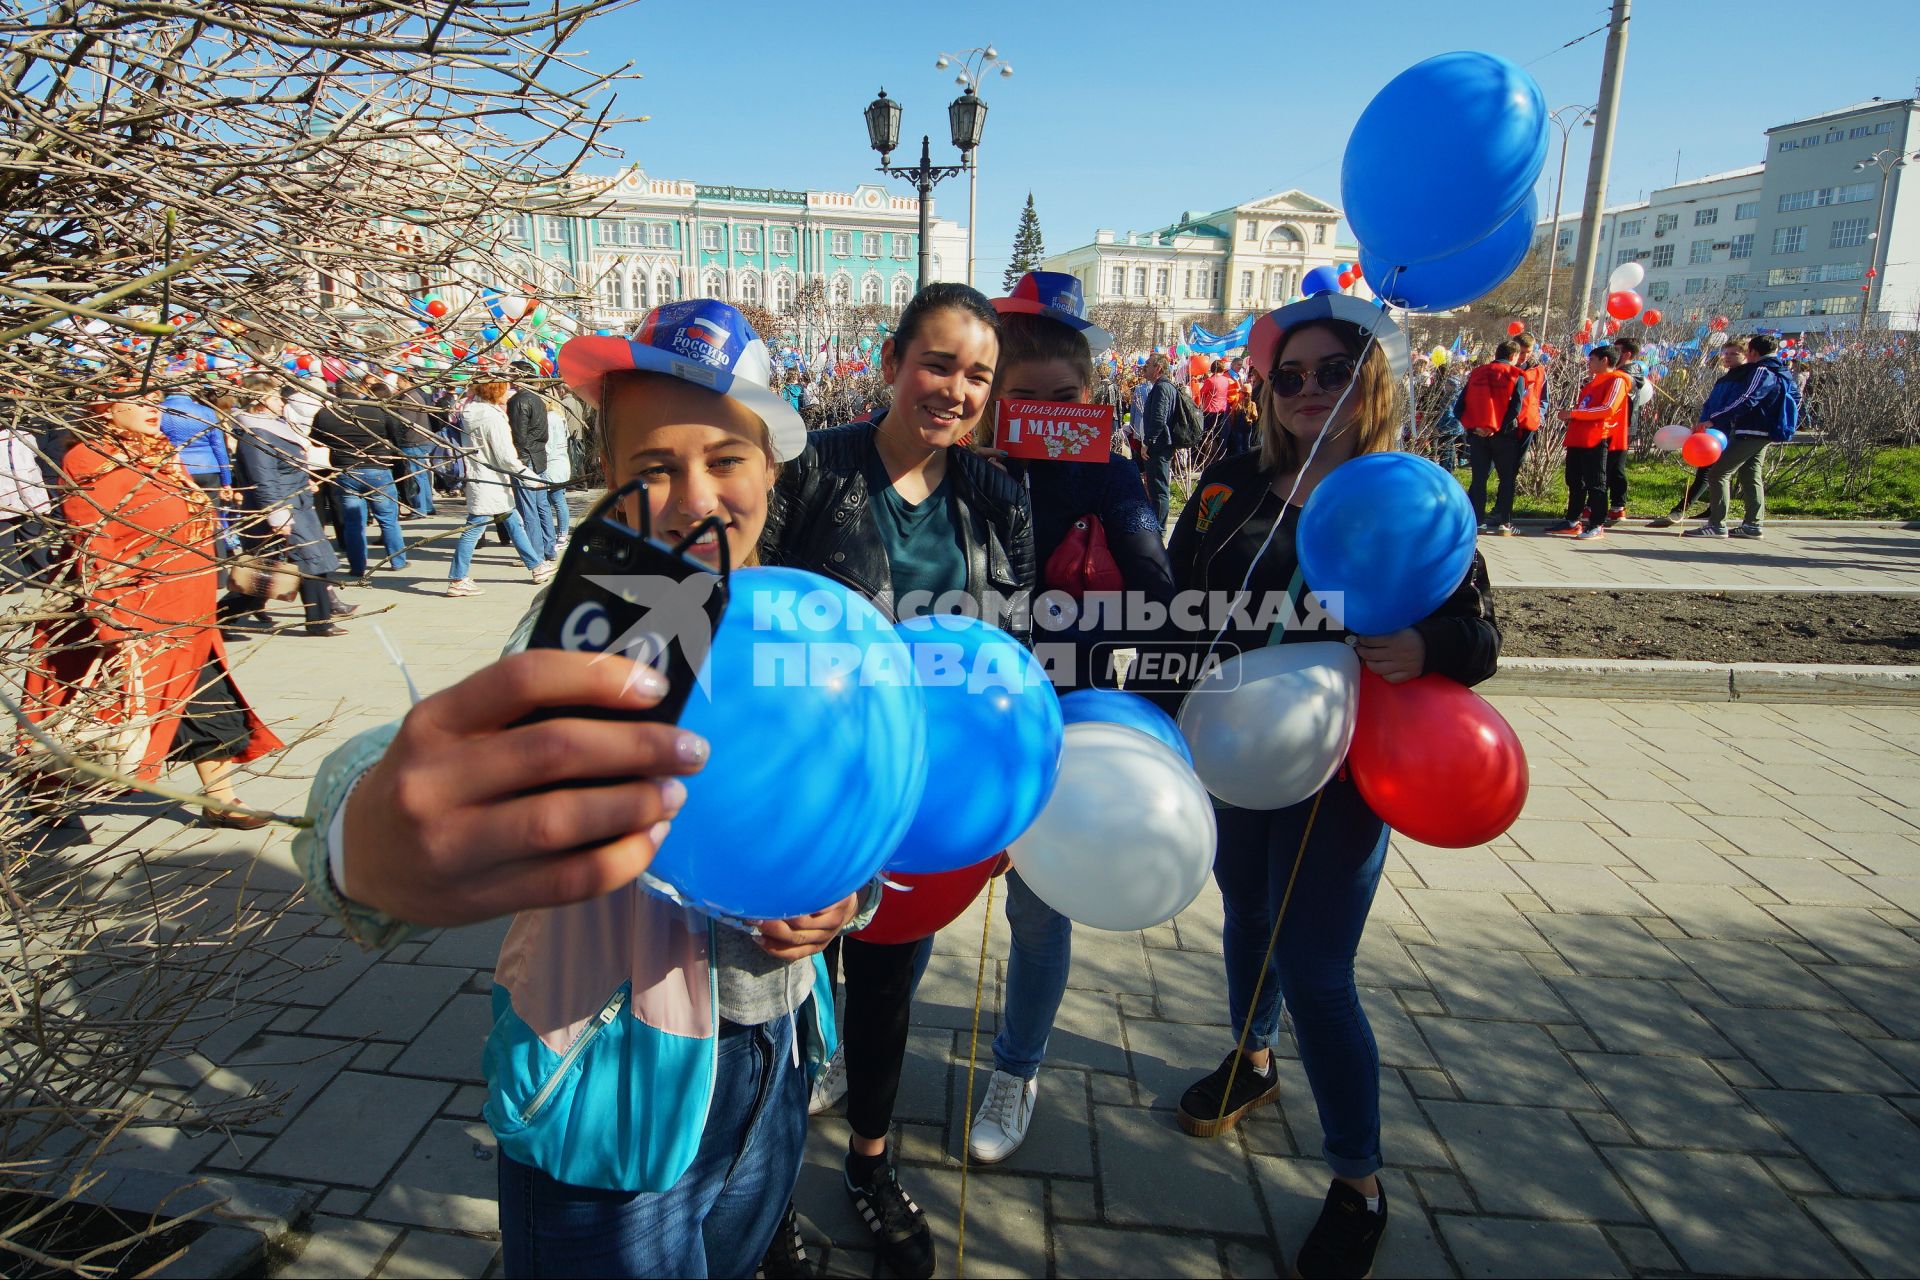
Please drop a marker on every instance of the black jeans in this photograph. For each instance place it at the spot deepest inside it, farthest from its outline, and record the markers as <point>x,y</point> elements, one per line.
<point>1501,454</point>
<point>1587,484</point>
<point>878,1000</point>
<point>1616,479</point>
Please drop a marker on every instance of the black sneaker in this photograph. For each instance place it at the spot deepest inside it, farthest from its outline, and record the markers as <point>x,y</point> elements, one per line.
<point>1201,1113</point>
<point>900,1230</point>
<point>788,1257</point>
<point>1342,1243</point>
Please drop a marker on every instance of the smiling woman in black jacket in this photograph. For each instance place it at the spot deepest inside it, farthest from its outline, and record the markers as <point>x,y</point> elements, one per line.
<point>907,516</point>
<point>1325,376</point>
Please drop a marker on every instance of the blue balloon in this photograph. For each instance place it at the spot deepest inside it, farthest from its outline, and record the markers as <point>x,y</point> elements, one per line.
<point>1458,278</point>
<point>993,742</point>
<point>1410,200</point>
<point>1320,280</point>
<point>1127,709</point>
<point>819,751</point>
<point>490,333</point>
<point>1719,436</point>
<point>1384,540</point>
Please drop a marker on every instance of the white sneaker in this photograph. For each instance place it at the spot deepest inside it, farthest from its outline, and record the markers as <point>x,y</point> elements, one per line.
<point>544,570</point>
<point>463,587</point>
<point>830,1085</point>
<point>1000,1126</point>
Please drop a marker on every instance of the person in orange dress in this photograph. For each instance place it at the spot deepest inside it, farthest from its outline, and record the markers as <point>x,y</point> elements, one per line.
<point>140,646</point>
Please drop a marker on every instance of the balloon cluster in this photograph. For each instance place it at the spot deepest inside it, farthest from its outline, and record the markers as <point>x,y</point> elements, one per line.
<point>1439,227</point>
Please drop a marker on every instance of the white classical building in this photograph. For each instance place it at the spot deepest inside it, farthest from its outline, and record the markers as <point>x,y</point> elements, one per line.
<point>1250,257</point>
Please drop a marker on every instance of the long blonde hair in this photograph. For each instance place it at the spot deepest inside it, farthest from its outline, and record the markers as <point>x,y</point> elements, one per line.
<point>1375,392</point>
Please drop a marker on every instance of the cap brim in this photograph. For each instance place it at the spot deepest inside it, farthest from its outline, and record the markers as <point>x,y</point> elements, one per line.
<point>584,363</point>
<point>1098,339</point>
<point>1264,342</point>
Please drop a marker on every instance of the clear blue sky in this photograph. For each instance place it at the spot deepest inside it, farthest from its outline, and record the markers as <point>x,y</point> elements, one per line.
<point>1122,114</point>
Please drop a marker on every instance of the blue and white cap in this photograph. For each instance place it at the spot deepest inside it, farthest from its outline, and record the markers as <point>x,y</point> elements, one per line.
<point>701,341</point>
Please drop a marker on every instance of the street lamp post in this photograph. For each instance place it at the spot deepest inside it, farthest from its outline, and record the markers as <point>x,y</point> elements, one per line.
<point>968,116</point>
<point>883,133</point>
<point>1585,116</point>
<point>1887,159</point>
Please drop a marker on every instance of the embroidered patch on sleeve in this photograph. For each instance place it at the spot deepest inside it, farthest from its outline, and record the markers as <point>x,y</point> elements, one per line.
<point>1211,499</point>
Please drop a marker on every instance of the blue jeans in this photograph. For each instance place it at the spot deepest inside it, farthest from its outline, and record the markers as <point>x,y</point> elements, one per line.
<point>1158,470</point>
<point>416,486</point>
<point>536,513</point>
<point>557,508</point>
<point>475,529</point>
<point>1313,960</point>
<point>358,488</point>
<point>717,1220</point>
<point>1036,979</point>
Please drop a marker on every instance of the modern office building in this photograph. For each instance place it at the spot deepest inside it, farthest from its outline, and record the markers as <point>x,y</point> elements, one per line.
<point>1249,257</point>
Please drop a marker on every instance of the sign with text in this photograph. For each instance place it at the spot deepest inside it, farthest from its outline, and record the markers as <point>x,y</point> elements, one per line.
<point>1046,429</point>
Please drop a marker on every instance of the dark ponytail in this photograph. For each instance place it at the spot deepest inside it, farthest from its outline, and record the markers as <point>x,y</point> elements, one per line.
<point>939,297</point>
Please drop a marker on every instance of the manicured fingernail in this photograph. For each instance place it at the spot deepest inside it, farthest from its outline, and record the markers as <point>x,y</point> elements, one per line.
<point>673,794</point>
<point>645,682</point>
<point>691,748</point>
<point>658,832</point>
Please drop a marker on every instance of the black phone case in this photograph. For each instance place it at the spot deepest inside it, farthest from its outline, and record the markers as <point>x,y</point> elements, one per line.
<point>607,597</point>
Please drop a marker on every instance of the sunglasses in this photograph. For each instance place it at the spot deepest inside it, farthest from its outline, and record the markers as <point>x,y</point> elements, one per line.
<point>1331,374</point>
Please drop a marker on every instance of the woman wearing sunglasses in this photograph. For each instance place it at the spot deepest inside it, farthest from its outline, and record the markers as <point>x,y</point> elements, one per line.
<point>1330,368</point>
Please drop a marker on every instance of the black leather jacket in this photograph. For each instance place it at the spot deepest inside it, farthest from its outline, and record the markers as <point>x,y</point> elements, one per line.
<point>819,519</point>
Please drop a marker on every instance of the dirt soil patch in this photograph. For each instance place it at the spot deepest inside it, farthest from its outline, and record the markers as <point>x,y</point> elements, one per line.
<point>1710,626</point>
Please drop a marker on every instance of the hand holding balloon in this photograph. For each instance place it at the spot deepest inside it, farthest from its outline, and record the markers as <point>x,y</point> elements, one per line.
<point>798,937</point>
<point>1395,658</point>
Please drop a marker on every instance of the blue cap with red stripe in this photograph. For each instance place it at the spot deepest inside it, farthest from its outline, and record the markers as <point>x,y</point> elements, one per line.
<point>1055,295</point>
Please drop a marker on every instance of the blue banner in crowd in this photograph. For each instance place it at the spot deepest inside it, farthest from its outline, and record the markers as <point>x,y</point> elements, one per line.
<point>1216,344</point>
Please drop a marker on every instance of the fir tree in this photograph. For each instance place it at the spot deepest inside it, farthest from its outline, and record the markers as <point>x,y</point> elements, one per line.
<point>1027,247</point>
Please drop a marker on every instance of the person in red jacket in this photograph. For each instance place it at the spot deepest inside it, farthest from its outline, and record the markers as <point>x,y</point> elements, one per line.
<point>1595,418</point>
<point>1489,408</point>
<point>1534,375</point>
<point>1626,358</point>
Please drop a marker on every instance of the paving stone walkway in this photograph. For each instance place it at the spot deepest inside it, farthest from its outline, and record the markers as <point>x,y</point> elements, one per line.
<point>1666,1024</point>
<point>1795,555</point>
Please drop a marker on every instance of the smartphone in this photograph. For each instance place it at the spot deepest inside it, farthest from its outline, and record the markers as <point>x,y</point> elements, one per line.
<point>619,590</point>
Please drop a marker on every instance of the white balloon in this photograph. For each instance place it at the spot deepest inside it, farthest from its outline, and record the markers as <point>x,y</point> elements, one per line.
<point>1627,275</point>
<point>1671,438</point>
<point>1271,726</point>
<point>1716,339</point>
<point>1127,840</point>
<point>1645,394</point>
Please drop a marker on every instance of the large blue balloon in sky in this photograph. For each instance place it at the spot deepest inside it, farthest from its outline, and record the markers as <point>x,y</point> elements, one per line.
<point>1411,199</point>
<point>819,738</point>
<point>1384,540</point>
<point>1458,278</point>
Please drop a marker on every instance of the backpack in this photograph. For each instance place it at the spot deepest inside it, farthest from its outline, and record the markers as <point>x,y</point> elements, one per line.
<point>1782,414</point>
<point>1185,423</point>
<point>1082,562</point>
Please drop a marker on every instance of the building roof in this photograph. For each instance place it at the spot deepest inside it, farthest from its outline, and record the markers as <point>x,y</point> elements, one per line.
<point>1749,171</point>
<point>1872,104</point>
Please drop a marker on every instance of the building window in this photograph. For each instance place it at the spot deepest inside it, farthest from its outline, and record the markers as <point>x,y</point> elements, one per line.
<point>1696,284</point>
<point>1657,291</point>
<point>1631,227</point>
<point>606,231</point>
<point>1848,233</point>
<point>780,241</point>
<point>842,291</point>
<point>1565,241</point>
<point>1623,257</point>
<point>1789,239</point>
<point>902,248</point>
<point>1787,146</point>
<point>1851,193</point>
<point>747,240</point>
<point>1700,251</point>
<point>633,234</point>
<point>710,239</point>
<point>1253,231</point>
<point>1139,282</point>
<point>1705,217</point>
<point>666,288</point>
<point>1885,126</point>
<point>902,291</point>
<point>514,228</point>
<point>1662,256</point>
<point>1119,281</point>
<point>1162,282</point>
<point>552,229</point>
<point>1741,246</point>
<point>1666,222</point>
<point>870,291</point>
<point>641,292</point>
<point>661,235</point>
<point>1187,292</point>
<point>1734,284</point>
<point>1246,286</point>
<point>1320,234</point>
<point>1826,273</point>
<point>870,246</point>
<point>842,244</point>
<point>782,290</point>
<point>749,291</point>
<point>713,285</point>
<point>1746,211</point>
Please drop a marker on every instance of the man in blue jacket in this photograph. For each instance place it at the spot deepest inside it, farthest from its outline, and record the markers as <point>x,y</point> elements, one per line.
<point>193,425</point>
<point>1749,419</point>
<point>1733,379</point>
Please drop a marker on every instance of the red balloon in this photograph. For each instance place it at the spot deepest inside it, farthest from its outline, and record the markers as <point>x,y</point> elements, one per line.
<point>935,901</point>
<point>304,362</point>
<point>1717,323</point>
<point>1700,450</point>
<point>1346,280</point>
<point>1436,761</point>
<point>436,308</point>
<point>1623,304</point>
<point>1650,316</point>
<point>1613,327</point>
<point>1357,273</point>
<point>1515,328</point>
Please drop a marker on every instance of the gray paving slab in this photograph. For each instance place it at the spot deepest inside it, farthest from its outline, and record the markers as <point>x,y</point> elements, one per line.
<point>1506,1062</point>
<point>438,1255</point>
<point>1799,1049</point>
<point>1632,1016</point>
<point>1885,995</point>
<point>449,1047</point>
<point>355,1130</point>
<point>1564,1177</point>
<point>390,1002</point>
<point>1407,1140</point>
<point>1851,935</point>
<point>1882,1236</point>
<point>1156,1176</point>
<point>1490,985</point>
<point>1756,975</point>
<point>1608,947</point>
<point>1725,1216</point>
<point>448,1180</point>
<point>335,1246</point>
<point>1863,1145</point>
<point>1678,1102</point>
<point>1087,1250</point>
<point>1513,1249</point>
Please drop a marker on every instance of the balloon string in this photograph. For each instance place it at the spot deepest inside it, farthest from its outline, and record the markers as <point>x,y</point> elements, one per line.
<point>1273,941</point>
<point>973,1057</point>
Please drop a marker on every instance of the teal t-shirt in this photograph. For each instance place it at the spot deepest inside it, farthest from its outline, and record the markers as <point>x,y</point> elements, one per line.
<point>923,545</point>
